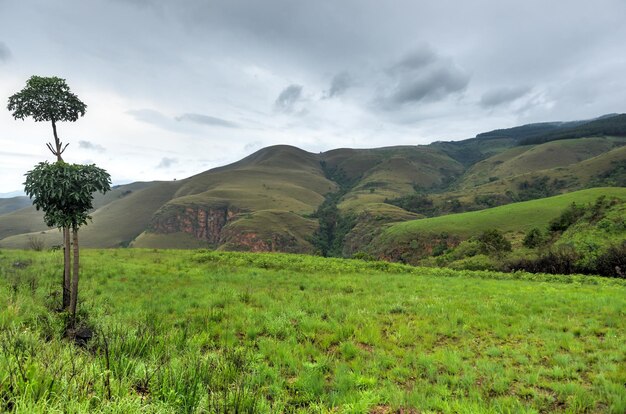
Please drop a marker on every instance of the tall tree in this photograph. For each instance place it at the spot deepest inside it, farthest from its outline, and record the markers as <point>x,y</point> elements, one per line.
<point>65,194</point>
<point>49,99</point>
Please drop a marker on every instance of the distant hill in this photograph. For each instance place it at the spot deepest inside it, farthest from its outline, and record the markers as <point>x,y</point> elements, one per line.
<point>282,198</point>
<point>8,205</point>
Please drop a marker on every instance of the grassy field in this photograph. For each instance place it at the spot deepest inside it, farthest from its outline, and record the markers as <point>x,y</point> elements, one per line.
<point>200,331</point>
<point>517,217</point>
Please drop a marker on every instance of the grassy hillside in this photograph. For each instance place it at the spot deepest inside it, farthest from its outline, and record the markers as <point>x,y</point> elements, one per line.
<point>115,224</point>
<point>525,159</point>
<point>271,198</point>
<point>400,171</point>
<point>516,217</point>
<point>280,177</point>
<point>8,205</point>
<point>24,220</point>
<point>197,331</point>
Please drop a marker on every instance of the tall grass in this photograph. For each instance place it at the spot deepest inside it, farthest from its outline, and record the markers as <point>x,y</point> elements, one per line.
<point>197,331</point>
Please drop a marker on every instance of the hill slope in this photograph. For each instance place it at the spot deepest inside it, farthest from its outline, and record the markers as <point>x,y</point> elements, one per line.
<point>411,240</point>
<point>271,200</point>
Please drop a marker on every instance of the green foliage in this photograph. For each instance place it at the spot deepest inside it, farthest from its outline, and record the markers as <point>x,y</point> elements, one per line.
<point>333,227</point>
<point>46,99</point>
<point>613,125</point>
<point>538,187</point>
<point>65,191</point>
<point>493,242</point>
<point>534,238</point>
<point>567,218</point>
<point>615,176</point>
<point>612,262</point>
<point>490,200</point>
<point>415,203</point>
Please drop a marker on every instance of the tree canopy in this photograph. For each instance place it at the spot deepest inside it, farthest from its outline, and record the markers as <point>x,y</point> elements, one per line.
<point>46,99</point>
<point>65,191</point>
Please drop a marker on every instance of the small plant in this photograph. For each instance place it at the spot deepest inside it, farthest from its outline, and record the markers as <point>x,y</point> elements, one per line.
<point>36,243</point>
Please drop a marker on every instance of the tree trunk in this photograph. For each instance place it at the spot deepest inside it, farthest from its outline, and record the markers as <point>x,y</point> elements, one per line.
<point>66,230</point>
<point>67,275</point>
<point>74,292</point>
<point>57,141</point>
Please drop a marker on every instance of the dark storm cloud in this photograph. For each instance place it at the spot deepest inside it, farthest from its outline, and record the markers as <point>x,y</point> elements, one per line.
<point>422,76</point>
<point>5,52</point>
<point>288,98</point>
<point>504,95</point>
<point>88,145</point>
<point>167,162</point>
<point>340,83</point>
<point>206,120</point>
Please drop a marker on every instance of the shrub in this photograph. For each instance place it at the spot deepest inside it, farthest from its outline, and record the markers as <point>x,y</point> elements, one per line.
<point>569,216</point>
<point>556,261</point>
<point>478,262</point>
<point>493,242</point>
<point>534,238</point>
<point>612,262</point>
<point>440,248</point>
<point>363,256</point>
<point>415,203</point>
<point>36,243</point>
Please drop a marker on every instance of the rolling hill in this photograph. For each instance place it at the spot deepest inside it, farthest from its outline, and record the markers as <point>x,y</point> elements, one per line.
<point>272,200</point>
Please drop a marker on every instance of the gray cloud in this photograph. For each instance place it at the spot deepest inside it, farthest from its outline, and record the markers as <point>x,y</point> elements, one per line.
<point>288,98</point>
<point>167,162</point>
<point>206,120</point>
<point>163,55</point>
<point>414,60</point>
<point>422,76</point>
<point>149,116</point>
<point>5,52</point>
<point>88,145</point>
<point>340,83</point>
<point>503,95</point>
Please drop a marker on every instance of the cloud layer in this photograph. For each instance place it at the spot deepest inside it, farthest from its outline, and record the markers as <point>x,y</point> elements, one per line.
<point>180,87</point>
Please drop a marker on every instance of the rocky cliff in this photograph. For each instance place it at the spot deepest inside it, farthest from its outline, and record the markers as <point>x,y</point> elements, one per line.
<point>203,223</point>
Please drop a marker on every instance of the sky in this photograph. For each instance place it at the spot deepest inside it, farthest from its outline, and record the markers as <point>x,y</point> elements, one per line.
<point>174,88</point>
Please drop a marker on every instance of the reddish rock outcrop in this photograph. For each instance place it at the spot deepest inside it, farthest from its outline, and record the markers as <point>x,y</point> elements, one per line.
<point>204,223</point>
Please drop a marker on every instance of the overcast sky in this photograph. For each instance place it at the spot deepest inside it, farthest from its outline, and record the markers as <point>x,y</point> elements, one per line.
<point>177,87</point>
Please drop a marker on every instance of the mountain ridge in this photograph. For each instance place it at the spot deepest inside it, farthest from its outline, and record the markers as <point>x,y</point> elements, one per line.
<point>270,200</point>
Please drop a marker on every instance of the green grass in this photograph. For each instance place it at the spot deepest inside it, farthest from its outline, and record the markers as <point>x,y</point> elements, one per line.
<point>516,217</point>
<point>199,331</point>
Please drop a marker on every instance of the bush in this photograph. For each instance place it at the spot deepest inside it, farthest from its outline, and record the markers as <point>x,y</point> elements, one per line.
<point>363,256</point>
<point>36,243</point>
<point>478,262</point>
<point>534,238</point>
<point>415,203</point>
<point>556,261</point>
<point>493,242</point>
<point>612,262</point>
<point>570,215</point>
